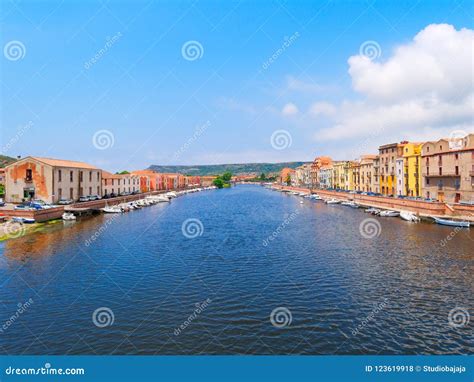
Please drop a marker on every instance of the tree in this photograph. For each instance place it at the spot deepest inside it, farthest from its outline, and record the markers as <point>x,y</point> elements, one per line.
<point>2,189</point>
<point>218,182</point>
<point>262,176</point>
<point>288,180</point>
<point>227,176</point>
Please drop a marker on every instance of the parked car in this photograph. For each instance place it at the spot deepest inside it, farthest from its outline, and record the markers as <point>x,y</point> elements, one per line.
<point>84,199</point>
<point>2,203</point>
<point>64,202</point>
<point>94,197</point>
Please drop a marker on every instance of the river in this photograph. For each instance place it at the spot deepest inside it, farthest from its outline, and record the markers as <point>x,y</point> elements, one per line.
<point>244,270</point>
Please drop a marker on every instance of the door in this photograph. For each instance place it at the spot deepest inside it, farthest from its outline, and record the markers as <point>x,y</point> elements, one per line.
<point>457,198</point>
<point>441,196</point>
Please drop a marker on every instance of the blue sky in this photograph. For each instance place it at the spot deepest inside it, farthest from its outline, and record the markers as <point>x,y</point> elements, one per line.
<point>147,103</point>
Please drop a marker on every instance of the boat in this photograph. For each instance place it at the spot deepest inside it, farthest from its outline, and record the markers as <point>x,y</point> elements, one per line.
<point>350,204</point>
<point>316,197</point>
<point>333,201</point>
<point>409,216</point>
<point>301,202</point>
<point>68,216</point>
<point>112,210</point>
<point>452,223</point>
<point>373,211</point>
<point>23,220</point>
<point>389,213</point>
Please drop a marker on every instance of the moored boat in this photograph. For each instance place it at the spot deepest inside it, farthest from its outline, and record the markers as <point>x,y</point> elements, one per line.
<point>452,223</point>
<point>333,201</point>
<point>389,213</point>
<point>373,211</point>
<point>409,216</point>
<point>68,216</point>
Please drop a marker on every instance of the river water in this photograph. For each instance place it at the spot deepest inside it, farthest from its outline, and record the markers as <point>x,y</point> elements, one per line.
<point>244,270</point>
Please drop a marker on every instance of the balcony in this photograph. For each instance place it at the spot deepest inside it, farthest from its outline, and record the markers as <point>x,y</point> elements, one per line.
<point>28,179</point>
<point>449,174</point>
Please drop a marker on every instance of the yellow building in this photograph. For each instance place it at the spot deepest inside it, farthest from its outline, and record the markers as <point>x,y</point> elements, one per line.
<point>338,177</point>
<point>412,169</point>
<point>349,169</point>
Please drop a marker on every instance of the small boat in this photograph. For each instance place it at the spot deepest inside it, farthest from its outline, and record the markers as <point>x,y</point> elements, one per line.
<point>68,216</point>
<point>350,204</point>
<point>388,213</point>
<point>373,211</point>
<point>453,223</point>
<point>409,216</point>
<point>316,197</point>
<point>112,210</point>
<point>333,201</point>
<point>301,202</point>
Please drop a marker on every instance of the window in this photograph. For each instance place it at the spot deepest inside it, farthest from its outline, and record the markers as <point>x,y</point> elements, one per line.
<point>90,176</point>
<point>427,149</point>
<point>98,190</point>
<point>71,193</point>
<point>98,176</point>
<point>60,192</point>
<point>427,181</point>
<point>29,175</point>
<point>90,190</point>
<point>457,170</point>
<point>456,156</point>
<point>60,175</point>
<point>81,176</point>
<point>71,176</point>
<point>440,171</point>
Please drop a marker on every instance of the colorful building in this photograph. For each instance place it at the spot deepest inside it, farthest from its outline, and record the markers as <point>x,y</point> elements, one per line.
<point>412,169</point>
<point>388,154</point>
<point>285,175</point>
<point>448,170</point>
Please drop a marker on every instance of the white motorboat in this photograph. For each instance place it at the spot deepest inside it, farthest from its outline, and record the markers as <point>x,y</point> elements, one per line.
<point>409,216</point>
<point>68,216</point>
<point>333,201</point>
<point>350,204</point>
<point>112,210</point>
<point>389,213</point>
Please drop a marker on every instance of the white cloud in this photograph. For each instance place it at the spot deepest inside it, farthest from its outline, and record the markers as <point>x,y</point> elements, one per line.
<point>296,84</point>
<point>322,108</point>
<point>424,88</point>
<point>290,109</point>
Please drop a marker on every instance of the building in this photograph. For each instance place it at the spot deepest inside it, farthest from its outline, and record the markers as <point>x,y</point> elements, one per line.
<point>119,183</point>
<point>366,173</point>
<point>303,175</point>
<point>325,177</point>
<point>50,180</point>
<point>285,176</point>
<point>338,177</point>
<point>400,176</point>
<point>412,169</point>
<point>376,175</point>
<point>448,170</point>
<point>348,176</point>
<point>207,180</point>
<point>317,164</point>
<point>388,155</point>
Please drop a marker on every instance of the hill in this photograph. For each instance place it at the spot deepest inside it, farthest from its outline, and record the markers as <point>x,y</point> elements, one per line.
<point>235,168</point>
<point>5,160</point>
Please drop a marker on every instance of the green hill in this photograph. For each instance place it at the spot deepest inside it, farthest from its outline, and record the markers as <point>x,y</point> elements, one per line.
<point>5,160</point>
<point>236,168</point>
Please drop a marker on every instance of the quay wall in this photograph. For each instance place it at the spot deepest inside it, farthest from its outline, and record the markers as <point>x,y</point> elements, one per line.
<point>419,207</point>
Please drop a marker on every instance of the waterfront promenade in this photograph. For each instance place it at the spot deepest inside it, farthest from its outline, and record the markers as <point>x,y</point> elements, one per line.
<point>422,208</point>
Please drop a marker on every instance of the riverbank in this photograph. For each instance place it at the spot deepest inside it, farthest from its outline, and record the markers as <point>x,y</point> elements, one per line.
<point>422,208</point>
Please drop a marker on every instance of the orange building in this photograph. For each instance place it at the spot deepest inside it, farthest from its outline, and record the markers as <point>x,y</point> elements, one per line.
<point>286,174</point>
